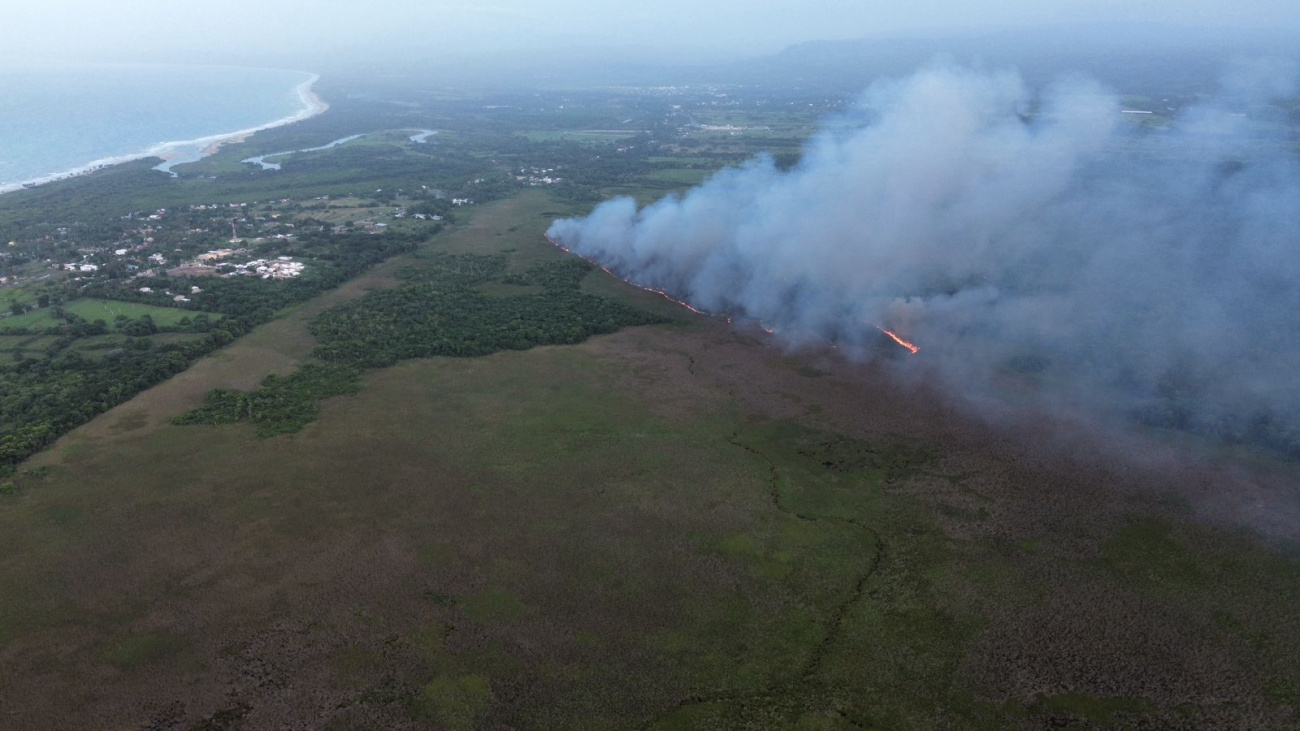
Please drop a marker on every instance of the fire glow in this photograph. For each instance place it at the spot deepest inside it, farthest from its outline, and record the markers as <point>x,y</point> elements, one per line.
<point>893,336</point>
<point>652,290</point>
<point>912,348</point>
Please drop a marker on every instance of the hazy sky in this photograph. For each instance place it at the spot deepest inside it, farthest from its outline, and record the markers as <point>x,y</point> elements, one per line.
<point>95,29</point>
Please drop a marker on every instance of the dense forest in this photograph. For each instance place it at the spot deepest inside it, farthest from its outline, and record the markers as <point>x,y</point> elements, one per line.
<point>440,313</point>
<point>437,311</point>
<point>282,405</point>
<point>41,399</point>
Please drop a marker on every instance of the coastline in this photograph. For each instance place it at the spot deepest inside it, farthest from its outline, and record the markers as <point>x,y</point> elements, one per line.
<point>313,105</point>
<point>184,151</point>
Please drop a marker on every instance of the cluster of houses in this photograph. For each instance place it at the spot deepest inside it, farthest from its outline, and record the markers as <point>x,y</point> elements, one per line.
<point>206,264</point>
<point>536,176</point>
<point>217,255</point>
<point>168,293</point>
<point>218,206</point>
<point>154,241</point>
<point>281,267</point>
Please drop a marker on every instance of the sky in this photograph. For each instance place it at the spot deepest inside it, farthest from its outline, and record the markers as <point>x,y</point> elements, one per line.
<point>40,30</point>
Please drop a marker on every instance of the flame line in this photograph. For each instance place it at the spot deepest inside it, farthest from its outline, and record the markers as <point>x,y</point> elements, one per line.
<point>914,349</point>
<point>910,346</point>
<point>651,290</point>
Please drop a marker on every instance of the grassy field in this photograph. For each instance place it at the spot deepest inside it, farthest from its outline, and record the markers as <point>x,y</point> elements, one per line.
<point>681,176</point>
<point>106,310</point>
<point>701,161</point>
<point>93,309</point>
<point>8,296</point>
<point>590,135</point>
<point>34,346</point>
<point>672,527</point>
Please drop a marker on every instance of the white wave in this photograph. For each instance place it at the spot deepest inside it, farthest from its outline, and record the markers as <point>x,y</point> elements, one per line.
<point>183,151</point>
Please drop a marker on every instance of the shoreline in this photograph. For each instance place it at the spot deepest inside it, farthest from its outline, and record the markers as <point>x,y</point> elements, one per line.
<point>176,153</point>
<point>313,105</point>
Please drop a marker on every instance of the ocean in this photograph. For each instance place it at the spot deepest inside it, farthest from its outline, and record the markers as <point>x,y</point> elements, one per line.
<point>58,121</point>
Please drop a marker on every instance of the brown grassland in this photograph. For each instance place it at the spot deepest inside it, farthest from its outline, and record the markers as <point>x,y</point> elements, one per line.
<point>670,527</point>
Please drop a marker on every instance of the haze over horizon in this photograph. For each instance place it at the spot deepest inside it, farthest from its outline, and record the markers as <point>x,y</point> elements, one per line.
<point>820,365</point>
<point>286,30</point>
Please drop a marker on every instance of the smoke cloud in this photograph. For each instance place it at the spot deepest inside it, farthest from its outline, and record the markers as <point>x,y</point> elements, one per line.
<point>1035,239</point>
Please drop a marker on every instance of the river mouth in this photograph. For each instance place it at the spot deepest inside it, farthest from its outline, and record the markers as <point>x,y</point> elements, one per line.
<point>262,159</point>
<point>421,136</point>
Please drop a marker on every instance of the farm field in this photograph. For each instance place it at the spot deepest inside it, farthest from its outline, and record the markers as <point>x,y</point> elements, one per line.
<point>106,310</point>
<point>590,135</point>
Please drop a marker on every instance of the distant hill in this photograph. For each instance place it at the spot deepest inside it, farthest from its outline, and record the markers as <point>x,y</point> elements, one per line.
<point>1133,58</point>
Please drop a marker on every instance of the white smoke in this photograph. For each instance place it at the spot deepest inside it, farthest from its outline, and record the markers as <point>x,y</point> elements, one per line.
<point>1153,273</point>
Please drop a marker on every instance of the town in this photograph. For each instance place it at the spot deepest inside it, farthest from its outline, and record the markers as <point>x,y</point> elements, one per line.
<point>259,239</point>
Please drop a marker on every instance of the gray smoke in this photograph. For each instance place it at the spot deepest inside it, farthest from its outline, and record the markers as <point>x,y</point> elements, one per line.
<point>1035,239</point>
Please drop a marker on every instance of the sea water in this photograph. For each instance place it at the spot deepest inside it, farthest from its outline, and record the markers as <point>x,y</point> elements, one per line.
<point>55,121</point>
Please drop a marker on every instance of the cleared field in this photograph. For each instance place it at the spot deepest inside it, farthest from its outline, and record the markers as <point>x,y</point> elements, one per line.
<point>590,135</point>
<point>32,318</point>
<point>106,310</point>
<point>9,342</point>
<point>672,527</point>
<point>9,296</point>
<point>680,176</point>
<point>704,161</point>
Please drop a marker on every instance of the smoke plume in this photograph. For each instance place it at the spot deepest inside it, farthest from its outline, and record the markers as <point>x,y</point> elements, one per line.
<point>1040,239</point>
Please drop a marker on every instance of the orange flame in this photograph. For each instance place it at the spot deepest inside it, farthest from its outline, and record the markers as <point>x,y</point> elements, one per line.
<point>910,346</point>
<point>652,290</point>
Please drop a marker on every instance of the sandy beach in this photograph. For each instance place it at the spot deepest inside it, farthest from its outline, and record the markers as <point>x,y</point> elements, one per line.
<point>185,151</point>
<point>314,105</point>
